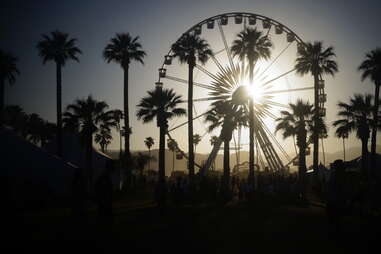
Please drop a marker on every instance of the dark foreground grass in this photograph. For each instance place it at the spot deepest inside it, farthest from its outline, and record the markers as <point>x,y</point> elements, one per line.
<point>263,225</point>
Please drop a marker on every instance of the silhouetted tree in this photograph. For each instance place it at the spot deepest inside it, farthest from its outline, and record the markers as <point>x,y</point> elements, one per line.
<point>87,116</point>
<point>342,132</point>
<point>123,49</point>
<point>196,141</point>
<point>35,128</point>
<point>228,116</point>
<point>356,117</point>
<point>252,45</point>
<point>8,71</point>
<point>15,117</point>
<point>161,104</point>
<point>213,141</point>
<point>58,47</point>
<point>314,59</point>
<point>371,69</point>
<point>103,138</point>
<point>118,116</point>
<point>140,161</point>
<point>298,122</point>
<point>172,146</point>
<point>189,49</point>
<point>149,142</point>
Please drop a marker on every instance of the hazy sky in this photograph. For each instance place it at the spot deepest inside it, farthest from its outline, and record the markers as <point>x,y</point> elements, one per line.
<point>352,27</point>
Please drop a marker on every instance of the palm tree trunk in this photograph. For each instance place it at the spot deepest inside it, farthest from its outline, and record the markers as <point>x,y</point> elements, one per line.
<point>344,147</point>
<point>364,156</point>
<point>127,129</point>
<point>149,161</point>
<point>251,130</point>
<point>226,176</point>
<point>375,119</point>
<point>302,169</point>
<point>316,123</point>
<point>162,155</point>
<point>173,161</point>
<point>2,95</point>
<point>120,144</point>
<point>212,156</point>
<point>191,64</point>
<point>322,147</point>
<point>89,161</point>
<point>59,109</point>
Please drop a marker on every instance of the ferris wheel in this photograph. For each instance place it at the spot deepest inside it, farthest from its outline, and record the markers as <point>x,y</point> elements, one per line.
<point>275,84</point>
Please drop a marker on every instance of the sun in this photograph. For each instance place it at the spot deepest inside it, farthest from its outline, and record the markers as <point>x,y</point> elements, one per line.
<point>254,90</point>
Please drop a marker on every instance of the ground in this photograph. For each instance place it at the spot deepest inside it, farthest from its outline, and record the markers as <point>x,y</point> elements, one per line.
<point>264,225</point>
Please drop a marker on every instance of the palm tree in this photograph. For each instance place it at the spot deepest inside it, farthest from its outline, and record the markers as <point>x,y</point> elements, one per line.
<point>189,49</point>
<point>35,128</point>
<point>87,116</point>
<point>161,104</point>
<point>149,142</point>
<point>298,123</point>
<point>213,141</point>
<point>252,45</point>
<point>123,49</point>
<point>172,146</point>
<point>371,68</point>
<point>118,116</point>
<point>196,141</point>
<point>356,117</point>
<point>58,47</point>
<point>228,116</point>
<point>103,138</point>
<point>8,71</point>
<point>314,59</point>
<point>342,132</point>
<point>141,160</point>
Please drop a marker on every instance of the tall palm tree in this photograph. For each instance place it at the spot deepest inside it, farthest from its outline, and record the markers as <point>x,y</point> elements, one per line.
<point>298,122</point>
<point>342,132</point>
<point>172,147</point>
<point>58,47</point>
<point>8,71</point>
<point>356,117</point>
<point>252,45</point>
<point>118,116</point>
<point>316,60</point>
<point>87,116</point>
<point>371,68</point>
<point>213,141</point>
<point>149,142</point>
<point>189,49</point>
<point>123,49</point>
<point>226,115</point>
<point>161,104</point>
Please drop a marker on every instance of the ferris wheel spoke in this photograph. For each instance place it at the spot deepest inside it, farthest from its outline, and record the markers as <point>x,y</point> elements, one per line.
<point>184,81</point>
<point>289,90</point>
<point>281,105</point>
<point>206,72</point>
<point>185,123</point>
<point>217,63</point>
<point>210,98</point>
<point>274,60</point>
<point>227,48</point>
<point>278,77</point>
<point>181,151</point>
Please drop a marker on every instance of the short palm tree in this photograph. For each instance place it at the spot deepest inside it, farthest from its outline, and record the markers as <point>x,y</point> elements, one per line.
<point>172,146</point>
<point>355,116</point>
<point>118,116</point>
<point>35,128</point>
<point>226,115</point>
<point>343,133</point>
<point>8,71</point>
<point>213,141</point>
<point>316,60</point>
<point>58,47</point>
<point>371,69</point>
<point>196,141</point>
<point>124,49</point>
<point>252,45</point>
<point>87,116</point>
<point>298,122</point>
<point>162,104</point>
<point>149,142</point>
<point>103,138</point>
<point>189,49</point>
